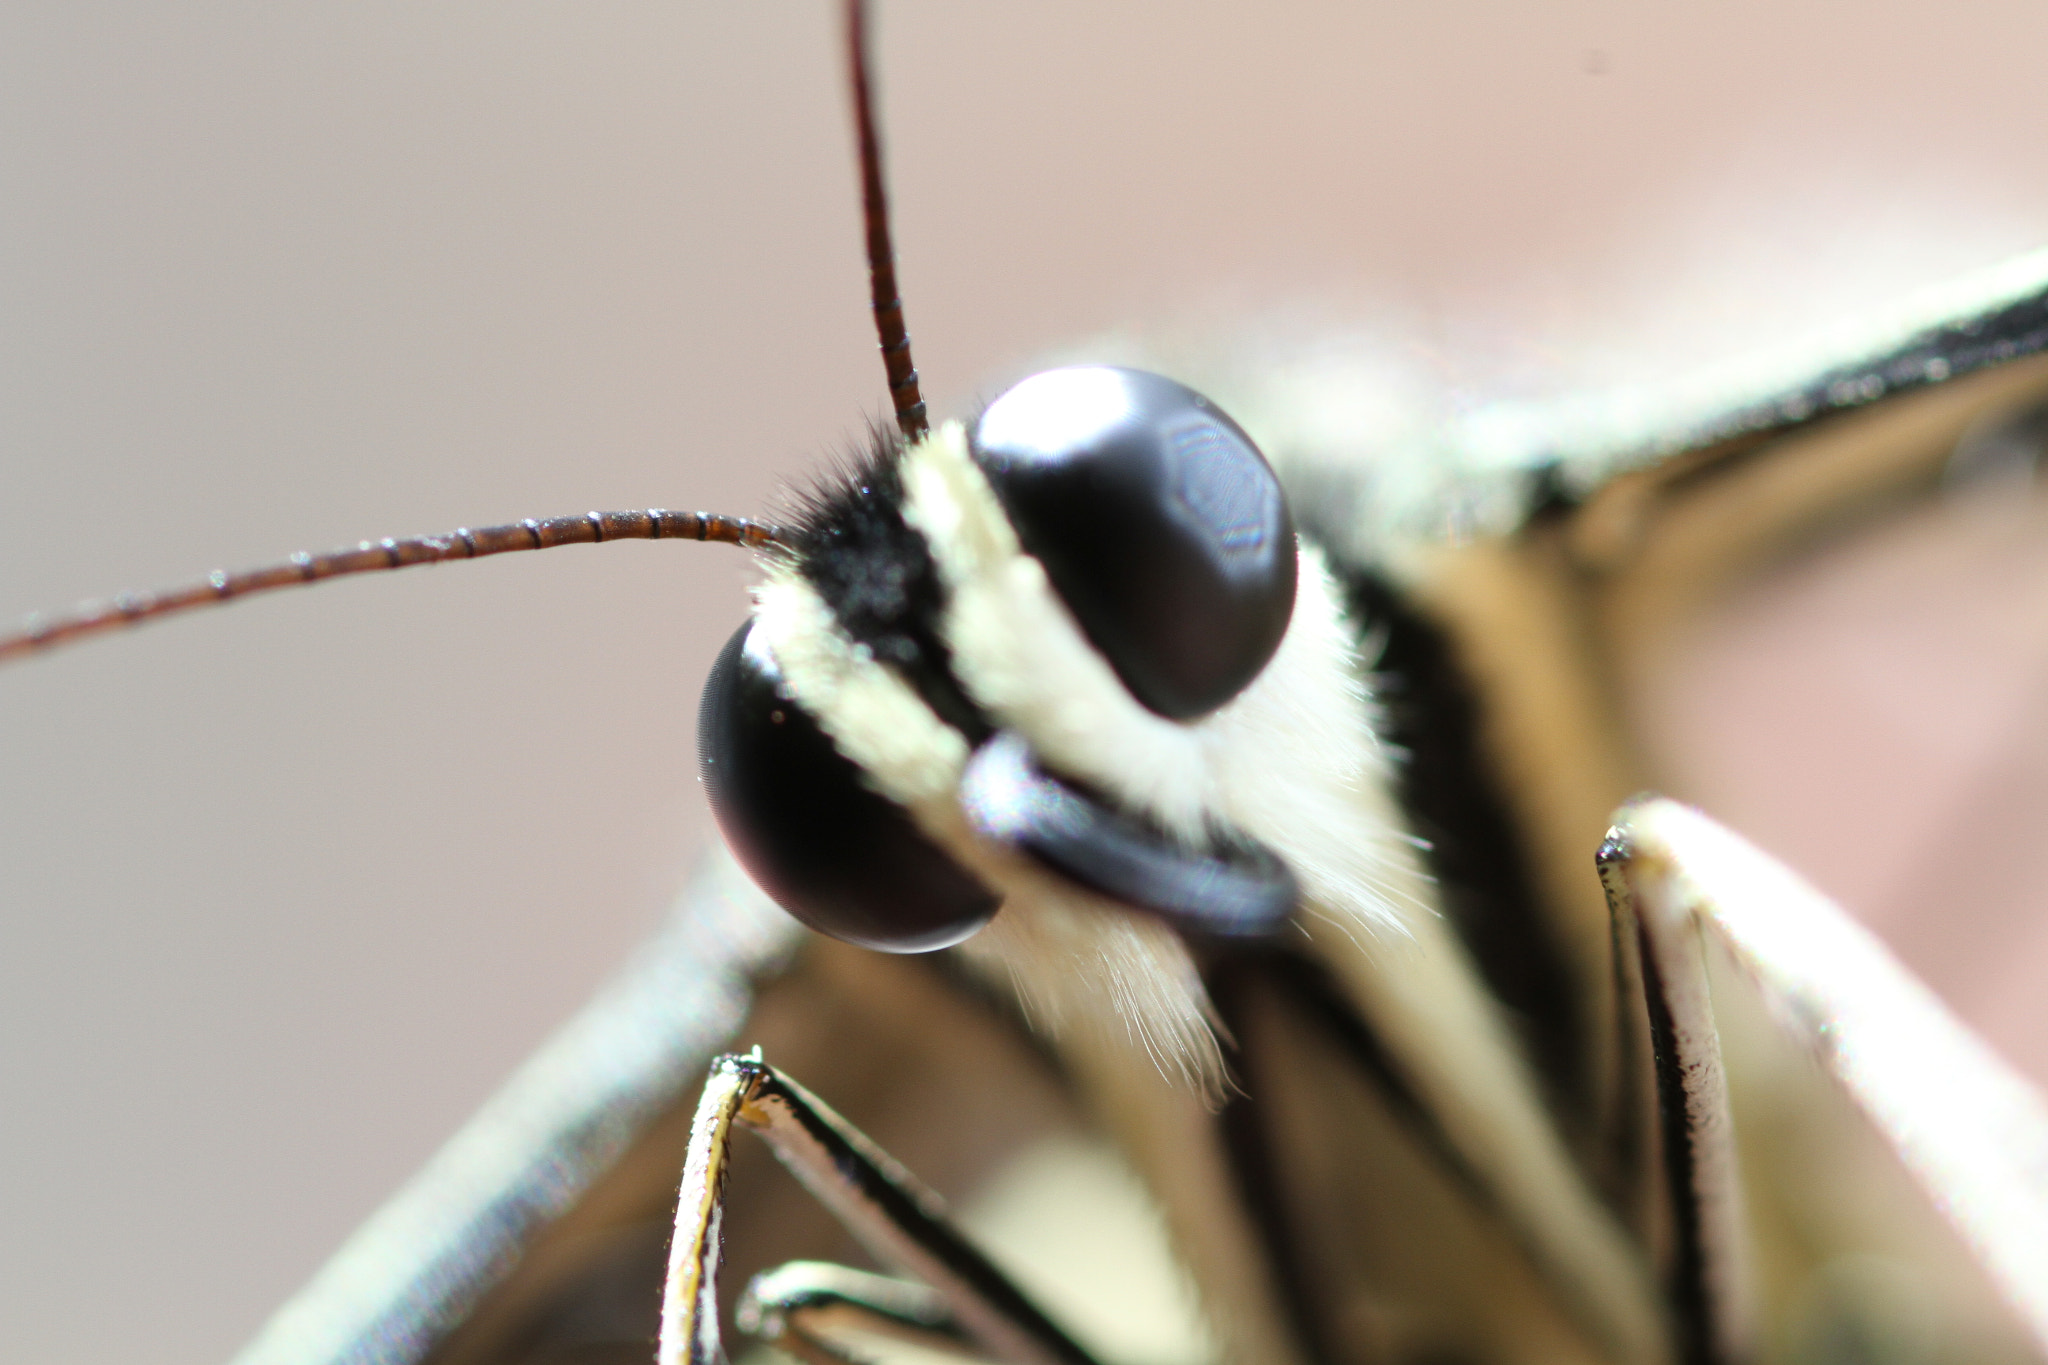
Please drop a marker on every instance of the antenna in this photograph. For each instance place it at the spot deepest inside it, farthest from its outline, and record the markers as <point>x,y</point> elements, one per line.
<point>888,303</point>
<point>39,633</point>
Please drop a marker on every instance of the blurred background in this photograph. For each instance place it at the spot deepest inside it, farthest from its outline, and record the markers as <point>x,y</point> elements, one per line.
<point>286,890</point>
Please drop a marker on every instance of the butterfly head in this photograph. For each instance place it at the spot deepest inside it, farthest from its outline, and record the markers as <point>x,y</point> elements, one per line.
<point>938,703</point>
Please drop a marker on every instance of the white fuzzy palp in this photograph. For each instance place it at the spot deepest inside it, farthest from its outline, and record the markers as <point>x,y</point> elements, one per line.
<point>1075,959</point>
<point>1293,761</point>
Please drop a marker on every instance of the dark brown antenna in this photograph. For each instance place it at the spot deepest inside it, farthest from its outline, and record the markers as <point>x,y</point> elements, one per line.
<point>93,618</point>
<point>888,303</point>
<point>128,609</point>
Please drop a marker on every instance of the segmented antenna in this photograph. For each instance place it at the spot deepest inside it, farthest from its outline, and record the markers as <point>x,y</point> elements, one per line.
<point>45,632</point>
<point>40,633</point>
<point>888,304</point>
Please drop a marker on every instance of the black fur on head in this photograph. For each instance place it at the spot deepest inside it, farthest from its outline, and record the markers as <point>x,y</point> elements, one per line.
<point>851,544</point>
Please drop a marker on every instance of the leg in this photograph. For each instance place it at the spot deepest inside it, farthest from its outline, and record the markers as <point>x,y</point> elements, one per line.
<point>1658,942</point>
<point>800,1307</point>
<point>1938,1118</point>
<point>875,1198</point>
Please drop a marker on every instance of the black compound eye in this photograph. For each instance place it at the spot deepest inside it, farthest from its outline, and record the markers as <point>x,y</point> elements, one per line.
<point>838,856</point>
<point>1161,525</point>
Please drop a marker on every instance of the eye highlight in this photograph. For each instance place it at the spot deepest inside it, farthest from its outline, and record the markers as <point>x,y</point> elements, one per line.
<point>840,857</point>
<point>1159,522</point>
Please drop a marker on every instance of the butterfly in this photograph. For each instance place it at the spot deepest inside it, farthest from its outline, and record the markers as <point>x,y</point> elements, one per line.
<point>383,514</point>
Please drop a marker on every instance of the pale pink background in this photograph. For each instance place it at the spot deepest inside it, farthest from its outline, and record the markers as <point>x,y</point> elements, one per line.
<point>288,889</point>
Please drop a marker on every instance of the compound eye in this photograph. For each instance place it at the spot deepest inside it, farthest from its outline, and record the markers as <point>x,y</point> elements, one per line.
<point>1161,525</point>
<point>838,856</point>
